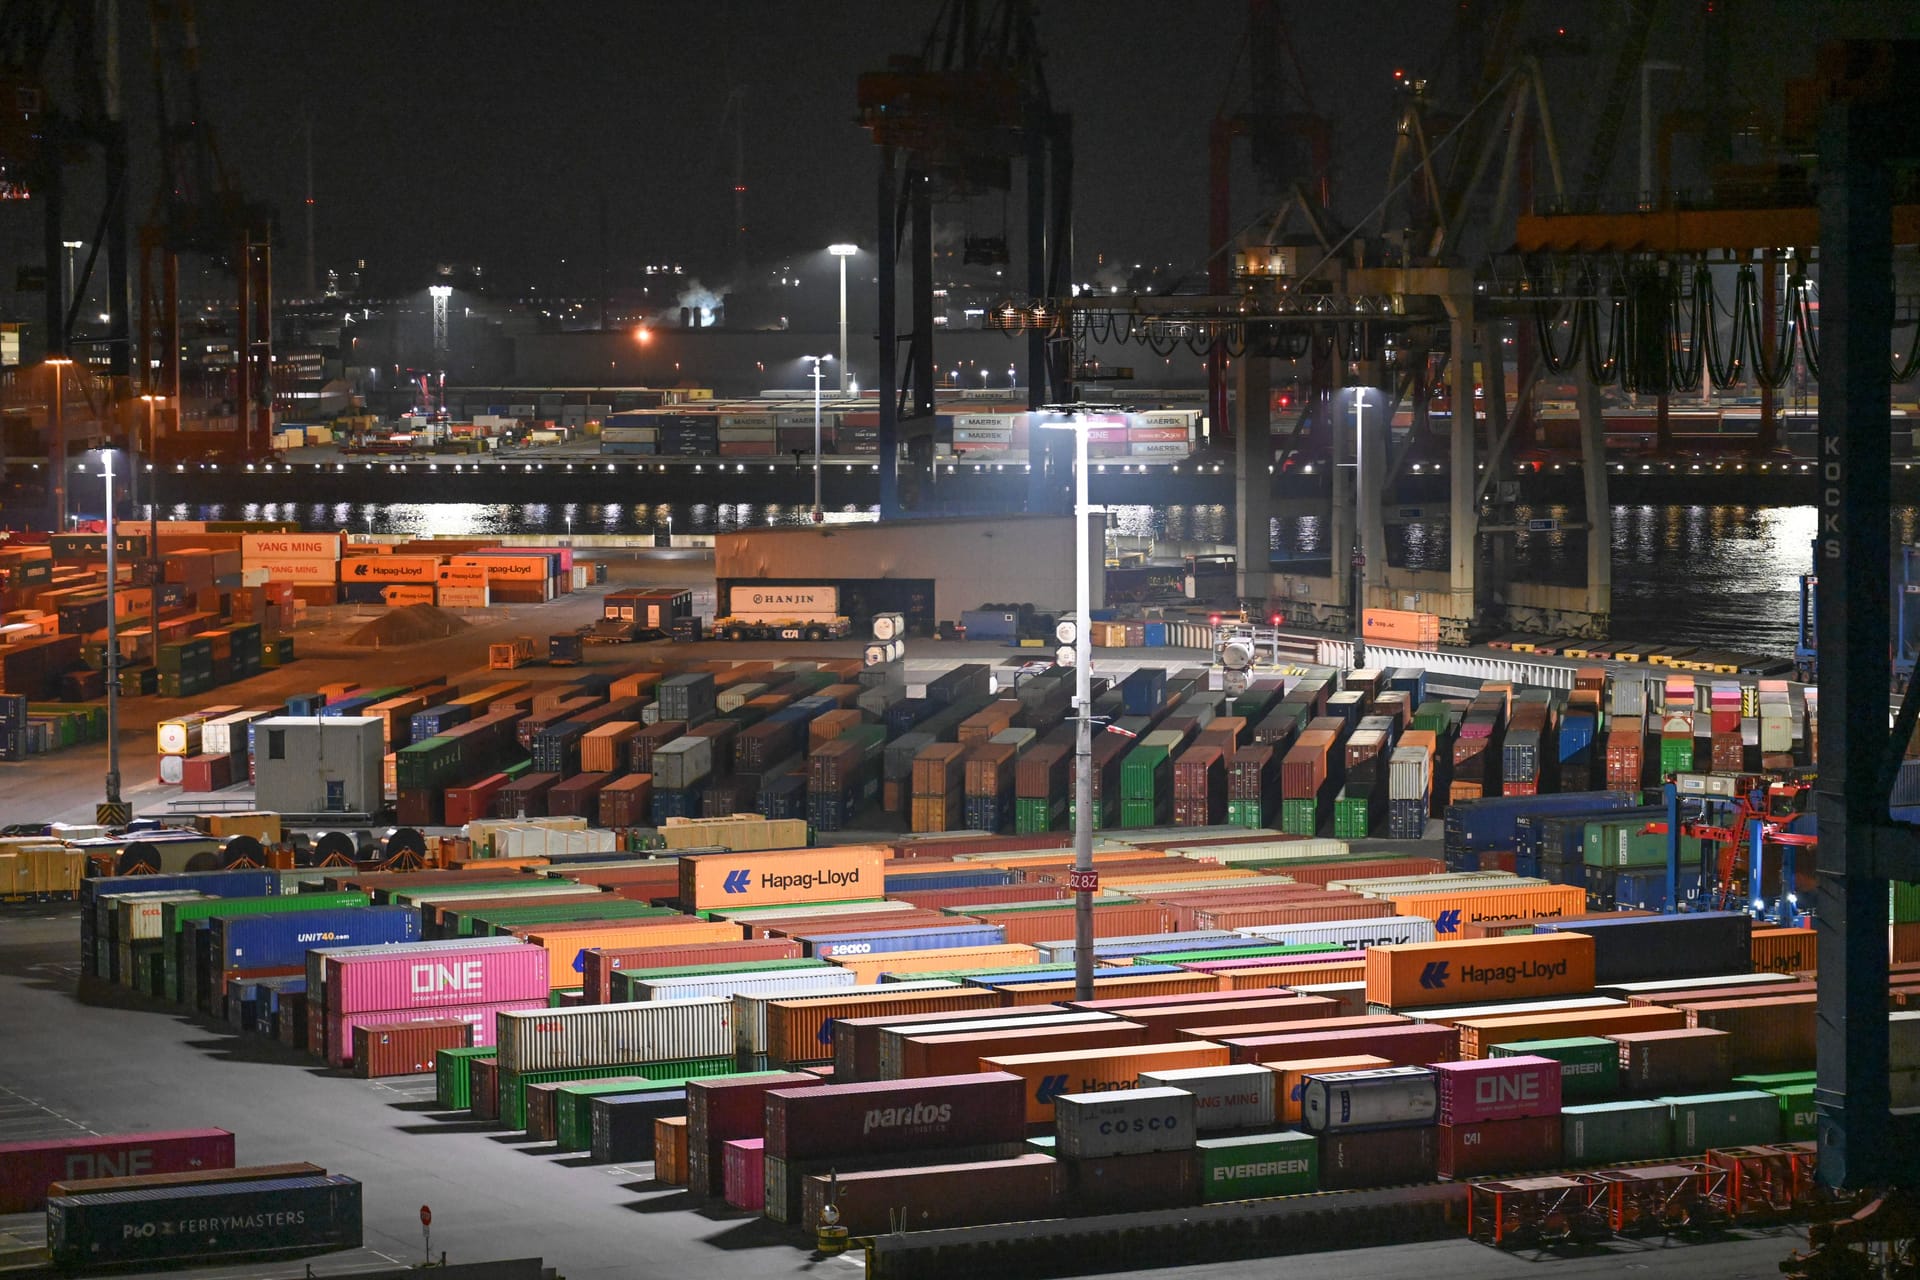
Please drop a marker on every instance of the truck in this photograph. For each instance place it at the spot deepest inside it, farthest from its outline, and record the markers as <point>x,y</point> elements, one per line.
<point>783,613</point>
<point>640,613</point>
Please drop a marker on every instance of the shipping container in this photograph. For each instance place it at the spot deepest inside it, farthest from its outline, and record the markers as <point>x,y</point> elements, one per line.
<point>1589,1065</point>
<point>929,1197</point>
<point>227,1220</point>
<point>1046,1076</point>
<point>1606,1133</point>
<point>1454,972</point>
<point>1691,1060</point>
<point>1646,948</point>
<point>801,1030</point>
<point>1382,1097</point>
<point>1741,1118</point>
<point>1224,1098</point>
<point>1352,1159</point>
<point>1479,1091</point>
<point>670,1150</point>
<point>1258,1165</point>
<point>889,1117</point>
<point>952,1053</point>
<point>28,1168</point>
<point>1482,1148</point>
<point>723,1110</point>
<point>1772,1033</point>
<point>481,1019</point>
<point>1479,1035</point>
<point>403,1049</point>
<point>1400,1045</point>
<point>1130,1184</point>
<point>623,1124</point>
<point>870,1048</point>
<point>1290,1079</point>
<point>1093,1126</point>
<point>404,979</point>
<point>607,1035</point>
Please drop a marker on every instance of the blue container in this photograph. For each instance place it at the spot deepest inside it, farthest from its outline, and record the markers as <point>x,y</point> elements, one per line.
<point>306,704</point>
<point>988,813</point>
<point>347,706</point>
<point>1411,680</point>
<point>1576,735</point>
<point>279,940</point>
<point>215,884</point>
<point>1142,692</point>
<point>1155,634</point>
<point>436,720</point>
<point>990,624</point>
<point>1062,951</point>
<point>675,804</point>
<point>1066,975</point>
<point>931,880</point>
<point>1639,890</point>
<point>1655,948</point>
<point>1492,823</point>
<point>825,946</point>
<point>363,592</point>
<point>784,796</point>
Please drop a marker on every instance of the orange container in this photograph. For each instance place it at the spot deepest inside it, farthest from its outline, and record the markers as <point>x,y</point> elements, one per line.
<point>1489,906</point>
<point>1479,1035</point>
<point>868,968</point>
<point>711,882</point>
<point>800,1030</point>
<point>1120,984</point>
<point>1117,920</point>
<point>1292,1084</point>
<point>604,749</point>
<point>670,1150</point>
<point>960,1053</point>
<point>564,946</point>
<point>1400,625</point>
<point>1905,942</point>
<point>1785,951</point>
<point>1301,910</point>
<point>1293,975</point>
<point>1523,967</point>
<point>1767,1034</point>
<point>826,728</point>
<point>1049,1075</point>
<point>1244,1028</point>
<point>1169,1021</point>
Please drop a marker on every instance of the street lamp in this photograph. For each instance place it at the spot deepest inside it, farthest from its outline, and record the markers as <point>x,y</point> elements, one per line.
<point>72,247</point>
<point>818,374</point>
<point>153,523</point>
<point>1359,405</point>
<point>58,365</point>
<point>1084,882</point>
<point>843,252</point>
<point>113,640</point>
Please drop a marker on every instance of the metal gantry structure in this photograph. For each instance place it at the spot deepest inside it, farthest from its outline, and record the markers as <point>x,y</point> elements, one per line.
<point>951,123</point>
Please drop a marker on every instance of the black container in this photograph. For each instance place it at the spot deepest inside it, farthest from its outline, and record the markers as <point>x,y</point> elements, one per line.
<point>169,1224</point>
<point>623,1123</point>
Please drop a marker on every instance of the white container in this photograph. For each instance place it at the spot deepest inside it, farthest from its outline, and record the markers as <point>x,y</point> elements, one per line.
<point>1776,732</point>
<point>1350,935</point>
<point>750,1008</point>
<point>180,736</point>
<point>736,697</point>
<point>1408,772</point>
<point>1067,629</point>
<point>1063,950</point>
<point>1386,1098</point>
<point>1224,1098</point>
<point>1127,1122</point>
<point>609,1035</point>
<point>880,653</point>
<point>889,626</point>
<point>173,770</point>
<point>682,763</point>
<point>694,987</point>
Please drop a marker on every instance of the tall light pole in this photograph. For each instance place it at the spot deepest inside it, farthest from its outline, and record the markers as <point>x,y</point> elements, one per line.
<point>113,643</point>
<point>1084,881</point>
<point>843,252</point>
<point>818,374</point>
<point>72,247</point>
<point>153,525</point>
<point>1359,527</point>
<point>58,364</point>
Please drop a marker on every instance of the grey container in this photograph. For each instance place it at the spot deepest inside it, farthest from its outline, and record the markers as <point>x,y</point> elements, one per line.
<point>1224,1098</point>
<point>609,1035</point>
<point>687,697</point>
<point>1387,1098</point>
<point>1652,948</point>
<point>1743,1118</point>
<point>1611,1132</point>
<point>682,763</point>
<point>1125,1122</point>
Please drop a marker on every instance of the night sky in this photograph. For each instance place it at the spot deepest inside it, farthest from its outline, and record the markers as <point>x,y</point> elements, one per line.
<point>485,130</point>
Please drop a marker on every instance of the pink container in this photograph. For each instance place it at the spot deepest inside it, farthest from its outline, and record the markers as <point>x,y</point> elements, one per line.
<point>485,975</point>
<point>1479,1090</point>
<point>27,1169</point>
<point>479,1016</point>
<point>746,1173</point>
<point>1268,962</point>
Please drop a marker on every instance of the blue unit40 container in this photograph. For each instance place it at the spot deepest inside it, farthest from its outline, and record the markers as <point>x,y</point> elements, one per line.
<point>203,1222</point>
<point>930,880</point>
<point>825,946</point>
<point>1474,825</point>
<point>1142,692</point>
<point>276,941</point>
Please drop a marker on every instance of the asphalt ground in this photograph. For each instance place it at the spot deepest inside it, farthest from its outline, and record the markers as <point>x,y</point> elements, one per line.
<point>68,1067</point>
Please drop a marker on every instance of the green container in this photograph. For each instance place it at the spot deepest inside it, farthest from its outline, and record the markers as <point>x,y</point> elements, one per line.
<point>497,920</point>
<point>1033,816</point>
<point>427,763</point>
<point>1778,1080</point>
<point>1135,814</point>
<point>1799,1122</point>
<point>1604,1133</point>
<point>1300,817</point>
<point>1104,810</point>
<point>513,1084</point>
<point>1745,1118</point>
<point>1904,901</point>
<point>1589,1065</point>
<point>1045,1144</point>
<point>1234,953</point>
<point>1252,706</point>
<point>1146,772</point>
<point>1676,755</point>
<point>1251,814</point>
<point>452,1083</point>
<point>175,915</point>
<point>573,1116</point>
<point>1249,1166</point>
<point>1352,816</point>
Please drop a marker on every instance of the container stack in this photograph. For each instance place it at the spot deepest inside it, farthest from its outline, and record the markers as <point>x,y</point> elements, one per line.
<point>1200,785</point>
<point>1041,783</point>
<point>397,985</point>
<point>939,786</point>
<point>1498,1116</point>
<point>1677,725</point>
<point>1727,746</point>
<point>1528,746</point>
<point>1376,1127</point>
<point>1308,780</point>
<point>989,767</point>
<point>1146,783</point>
<point>1409,791</point>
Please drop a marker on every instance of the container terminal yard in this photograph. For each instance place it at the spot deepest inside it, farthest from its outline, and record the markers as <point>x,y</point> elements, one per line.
<point>932,884</point>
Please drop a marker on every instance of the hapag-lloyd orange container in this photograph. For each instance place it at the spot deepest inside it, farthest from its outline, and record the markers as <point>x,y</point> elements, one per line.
<point>800,1030</point>
<point>959,1053</point>
<point>1120,983</point>
<point>1292,975</point>
<point>1523,967</point>
<point>1784,951</point>
<point>1291,1085</point>
<point>565,946</point>
<point>713,881</point>
<point>1451,909</point>
<point>1048,1075</point>
<point>1770,1033</point>
<point>1479,1035</point>
<point>1400,625</point>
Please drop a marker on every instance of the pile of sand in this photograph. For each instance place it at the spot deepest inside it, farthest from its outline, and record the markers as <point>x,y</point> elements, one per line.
<point>411,624</point>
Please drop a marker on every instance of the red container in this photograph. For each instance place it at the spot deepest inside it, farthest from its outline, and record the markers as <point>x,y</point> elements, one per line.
<point>1692,1059</point>
<point>484,975</point>
<point>960,1052</point>
<point>934,1196</point>
<point>856,1041</point>
<point>1379,1157</point>
<point>27,1169</point>
<point>1131,1184</point>
<point>896,1115</point>
<point>1497,1089</point>
<point>720,1111</point>
<point>383,1049</point>
<point>1255,1026</point>
<point>1401,1046</point>
<point>473,801</point>
<point>1303,911</point>
<point>577,797</point>
<point>340,1031</point>
<point>746,1173</point>
<point>483,1076</point>
<point>206,772</point>
<point>1121,920</point>
<point>1498,1146</point>
<point>626,801</point>
<point>1766,1035</point>
<point>601,963</point>
<point>1165,1023</point>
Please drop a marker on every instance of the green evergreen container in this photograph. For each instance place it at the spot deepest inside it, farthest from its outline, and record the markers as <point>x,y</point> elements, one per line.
<point>1799,1122</point>
<point>1034,816</point>
<point>1135,814</point>
<point>1145,773</point>
<point>1676,755</point>
<point>1589,1065</point>
<point>1250,1166</point>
